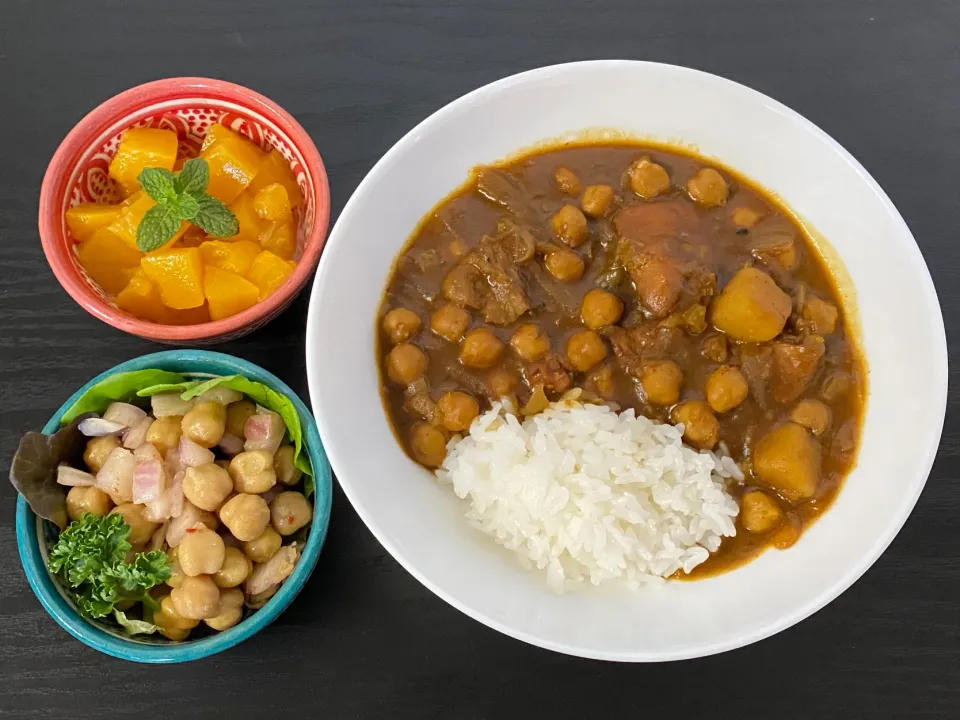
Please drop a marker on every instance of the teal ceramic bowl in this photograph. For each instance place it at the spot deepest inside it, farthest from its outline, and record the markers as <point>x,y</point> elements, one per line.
<point>34,535</point>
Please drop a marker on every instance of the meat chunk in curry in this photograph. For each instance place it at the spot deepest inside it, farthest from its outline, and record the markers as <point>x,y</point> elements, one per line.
<point>648,279</point>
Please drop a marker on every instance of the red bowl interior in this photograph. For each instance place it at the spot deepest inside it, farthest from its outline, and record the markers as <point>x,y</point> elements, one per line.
<point>189,106</point>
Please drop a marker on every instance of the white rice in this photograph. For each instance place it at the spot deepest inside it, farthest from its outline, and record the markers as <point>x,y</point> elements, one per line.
<point>588,494</point>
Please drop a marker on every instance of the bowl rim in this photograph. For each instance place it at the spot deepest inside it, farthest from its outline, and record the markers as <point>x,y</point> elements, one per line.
<point>43,584</point>
<point>938,351</point>
<point>137,98</point>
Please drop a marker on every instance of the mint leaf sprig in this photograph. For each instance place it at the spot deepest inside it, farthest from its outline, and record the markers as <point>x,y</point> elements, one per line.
<point>180,197</point>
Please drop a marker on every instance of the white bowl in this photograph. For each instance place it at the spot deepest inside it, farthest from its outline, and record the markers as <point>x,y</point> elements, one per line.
<point>421,524</point>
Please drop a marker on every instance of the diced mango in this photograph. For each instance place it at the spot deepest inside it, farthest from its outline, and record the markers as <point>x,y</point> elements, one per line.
<point>141,298</point>
<point>179,276</point>
<point>248,221</point>
<point>125,226</point>
<point>268,272</point>
<point>190,316</point>
<point>228,293</point>
<point>218,132</point>
<point>131,199</point>
<point>236,257</point>
<point>142,148</point>
<point>85,219</point>
<point>108,260</point>
<point>233,163</point>
<point>280,239</point>
<point>272,203</point>
<point>193,237</point>
<point>276,169</point>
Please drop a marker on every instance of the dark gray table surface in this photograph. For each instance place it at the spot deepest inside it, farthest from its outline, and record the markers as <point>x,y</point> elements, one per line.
<point>364,639</point>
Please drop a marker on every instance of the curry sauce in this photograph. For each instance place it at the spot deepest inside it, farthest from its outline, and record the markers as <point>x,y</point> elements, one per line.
<point>651,279</point>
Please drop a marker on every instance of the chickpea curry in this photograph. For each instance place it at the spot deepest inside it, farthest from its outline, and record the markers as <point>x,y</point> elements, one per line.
<point>650,279</point>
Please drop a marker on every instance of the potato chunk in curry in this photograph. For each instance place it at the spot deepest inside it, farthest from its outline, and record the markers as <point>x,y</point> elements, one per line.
<point>787,459</point>
<point>751,308</point>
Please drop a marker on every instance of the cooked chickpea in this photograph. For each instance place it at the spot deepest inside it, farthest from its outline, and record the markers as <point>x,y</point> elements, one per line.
<point>289,512</point>
<point>284,466</point>
<point>458,410</point>
<point>480,348</point>
<point>91,500</point>
<point>176,572</point>
<point>570,226</point>
<point>600,308</point>
<point>235,569</point>
<point>401,324</point>
<point>237,415</point>
<point>600,381</point>
<point>812,414</point>
<point>529,343</point>
<point>428,445</point>
<point>263,548</point>
<point>596,200</point>
<point>585,349</point>
<point>708,188</point>
<point>759,512</point>
<point>501,382</point>
<point>164,433</point>
<point>200,552</point>
<point>207,486</point>
<point>661,381</point>
<point>140,528</point>
<point>405,363</point>
<point>171,623</point>
<point>252,472</point>
<point>229,610</point>
<point>648,179</point>
<point>97,450</point>
<point>726,388</point>
<point>450,322</point>
<point>700,426</point>
<point>565,265</point>
<point>197,598</point>
<point>744,217</point>
<point>245,516</point>
<point>566,181</point>
<point>205,423</point>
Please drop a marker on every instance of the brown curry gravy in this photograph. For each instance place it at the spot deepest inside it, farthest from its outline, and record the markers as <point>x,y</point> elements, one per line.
<point>458,223</point>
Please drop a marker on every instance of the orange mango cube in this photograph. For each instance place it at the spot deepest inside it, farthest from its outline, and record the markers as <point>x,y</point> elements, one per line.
<point>190,316</point>
<point>109,261</point>
<point>142,148</point>
<point>235,257</point>
<point>228,293</point>
<point>125,226</point>
<point>276,169</point>
<point>218,132</point>
<point>192,237</point>
<point>178,274</point>
<point>250,224</point>
<point>272,203</point>
<point>269,271</point>
<point>85,219</point>
<point>141,298</point>
<point>233,163</point>
<point>280,239</point>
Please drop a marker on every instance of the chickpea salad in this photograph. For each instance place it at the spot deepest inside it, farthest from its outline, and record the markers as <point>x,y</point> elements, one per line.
<point>182,503</point>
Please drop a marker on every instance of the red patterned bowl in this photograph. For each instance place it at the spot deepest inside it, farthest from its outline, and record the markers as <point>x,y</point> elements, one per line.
<point>78,173</point>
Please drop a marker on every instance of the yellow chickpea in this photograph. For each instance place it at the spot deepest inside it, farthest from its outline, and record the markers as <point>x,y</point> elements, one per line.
<point>529,343</point>
<point>726,388</point>
<point>252,472</point>
<point>744,217</point>
<point>405,363</point>
<point>207,486</point>
<point>585,349</point>
<point>164,433</point>
<point>564,265</point>
<point>245,516</point>
<point>98,449</point>
<point>197,598</point>
<point>428,445</point>
<point>284,466</point>
<point>450,322</point>
<point>566,181</point>
<point>262,548</point>
<point>480,348</point>
<point>570,226</point>
<point>700,426</point>
<point>237,415</point>
<point>140,528</point>
<point>458,410</point>
<point>171,623</point>
<point>648,179</point>
<point>501,382</point>
<point>596,200</point>
<point>205,423</point>
<point>289,512</point>
<point>661,381</point>
<point>235,569</point>
<point>708,188</point>
<point>176,572</point>
<point>600,309</point>
<point>201,552</point>
<point>759,513</point>
<point>229,610</point>
<point>811,414</point>
<point>401,324</point>
<point>91,500</point>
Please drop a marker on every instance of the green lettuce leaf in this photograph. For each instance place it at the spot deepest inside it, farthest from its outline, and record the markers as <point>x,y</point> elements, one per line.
<point>167,387</point>
<point>118,388</point>
<point>132,626</point>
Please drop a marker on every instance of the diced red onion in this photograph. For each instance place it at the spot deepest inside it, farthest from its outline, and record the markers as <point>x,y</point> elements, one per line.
<point>231,445</point>
<point>71,477</point>
<point>176,495</point>
<point>124,413</point>
<point>98,427</point>
<point>174,465</point>
<point>273,571</point>
<point>116,475</point>
<point>158,539</point>
<point>264,431</point>
<point>178,526</point>
<point>221,395</point>
<point>149,481</point>
<point>147,451</point>
<point>158,511</point>
<point>166,404</point>
<point>192,455</point>
<point>136,435</point>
